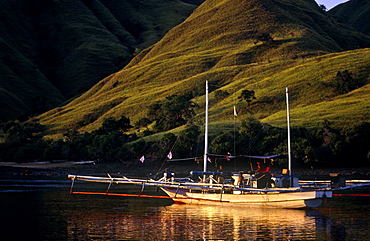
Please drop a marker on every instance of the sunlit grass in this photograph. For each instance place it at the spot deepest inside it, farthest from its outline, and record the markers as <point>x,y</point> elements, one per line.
<point>202,48</point>
<point>308,81</point>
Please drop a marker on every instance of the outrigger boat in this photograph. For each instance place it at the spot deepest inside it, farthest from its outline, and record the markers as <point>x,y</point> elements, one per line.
<point>247,189</point>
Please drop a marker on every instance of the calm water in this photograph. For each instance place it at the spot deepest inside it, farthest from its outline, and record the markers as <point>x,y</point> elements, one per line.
<point>44,210</point>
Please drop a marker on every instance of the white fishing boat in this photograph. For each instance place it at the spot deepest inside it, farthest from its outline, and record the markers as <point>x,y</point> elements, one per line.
<point>251,188</point>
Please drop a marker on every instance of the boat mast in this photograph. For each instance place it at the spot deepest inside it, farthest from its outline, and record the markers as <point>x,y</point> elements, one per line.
<point>288,126</point>
<point>206,135</point>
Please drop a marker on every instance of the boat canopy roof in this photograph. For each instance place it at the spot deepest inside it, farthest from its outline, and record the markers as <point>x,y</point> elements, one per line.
<point>227,157</point>
<point>263,157</point>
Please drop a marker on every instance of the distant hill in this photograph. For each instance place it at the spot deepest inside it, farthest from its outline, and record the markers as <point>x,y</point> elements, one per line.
<point>51,51</point>
<point>237,44</point>
<point>355,13</point>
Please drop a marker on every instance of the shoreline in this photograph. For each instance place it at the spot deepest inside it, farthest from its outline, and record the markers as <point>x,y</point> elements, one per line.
<point>62,168</point>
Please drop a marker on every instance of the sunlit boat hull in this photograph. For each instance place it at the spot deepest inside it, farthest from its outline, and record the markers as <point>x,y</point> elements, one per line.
<point>295,199</point>
<point>195,193</point>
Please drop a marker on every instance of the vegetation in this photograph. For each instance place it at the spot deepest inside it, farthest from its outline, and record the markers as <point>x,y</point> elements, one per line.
<point>345,82</point>
<point>298,57</point>
<point>319,146</point>
<point>247,95</point>
<point>24,142</point>
<point>175,111</point>
<point>238,46</point>
<point>56,50</point>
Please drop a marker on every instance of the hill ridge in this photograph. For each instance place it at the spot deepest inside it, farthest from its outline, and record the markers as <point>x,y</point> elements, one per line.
<point>73,44</point>
<point>355,13</point>
<point>241,56</point>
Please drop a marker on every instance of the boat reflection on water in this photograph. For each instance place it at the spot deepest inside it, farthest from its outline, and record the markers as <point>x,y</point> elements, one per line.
<point>43,210</point>
<point>237,223</point>
<point>196,222</point>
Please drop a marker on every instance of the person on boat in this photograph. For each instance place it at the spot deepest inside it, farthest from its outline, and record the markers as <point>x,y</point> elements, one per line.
<point>220,177</point>
<point>240,179</point>
<point>259,169</point>
<point>263,176</point>
<point>262,169</point>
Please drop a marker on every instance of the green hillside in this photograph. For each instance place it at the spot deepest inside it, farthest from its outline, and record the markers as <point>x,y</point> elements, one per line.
<point>355,13</point>
<point>51,51</point>
<point>236,45</point>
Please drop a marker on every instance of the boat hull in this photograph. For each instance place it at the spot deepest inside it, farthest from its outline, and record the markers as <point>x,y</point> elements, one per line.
<point>297,199</point>
<point>198,193</point>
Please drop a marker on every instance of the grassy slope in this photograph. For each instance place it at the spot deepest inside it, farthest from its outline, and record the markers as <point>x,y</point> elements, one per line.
<point>80,48</point>
<point>22,85</point>
<point>355,13</point>
<point>217,43</point>
<point>68,46</point>
<point>343,110</point>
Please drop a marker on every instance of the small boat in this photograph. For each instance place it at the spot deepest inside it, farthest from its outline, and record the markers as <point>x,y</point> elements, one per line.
<point>251,188</point>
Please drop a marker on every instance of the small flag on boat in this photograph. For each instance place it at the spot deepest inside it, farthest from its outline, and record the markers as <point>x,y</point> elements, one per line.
<point>142,159</point>
<point>169,156</point>
<point>235,114</point>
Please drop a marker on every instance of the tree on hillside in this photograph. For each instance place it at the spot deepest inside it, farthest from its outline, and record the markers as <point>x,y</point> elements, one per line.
<point>186,141</point>
<point>253,132</point>
<point>346,81</point>
<point>27,131</point>
<point>223,143</point>
<point>143,122</point>
<point>265,38</point>
<point>343,81</point>
<point>22,141</point>
<point>71,135</point>
<point>106,143</point>
<point>167,141</point>
<point>174,111</point>
<point>111,124</point>
<point>247,95</point>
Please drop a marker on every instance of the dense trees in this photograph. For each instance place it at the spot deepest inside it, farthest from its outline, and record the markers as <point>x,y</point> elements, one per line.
<point>25,142</point>
<point>187,142</point>
<point>323,145</point>
<point>22,141</point>
<point>173,112</point>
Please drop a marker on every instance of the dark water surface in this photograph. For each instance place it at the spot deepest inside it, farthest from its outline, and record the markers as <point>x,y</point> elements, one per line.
<point>43,209</point>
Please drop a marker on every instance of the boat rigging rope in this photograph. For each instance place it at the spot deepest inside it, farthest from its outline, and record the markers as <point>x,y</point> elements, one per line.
<point>165,159</point>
